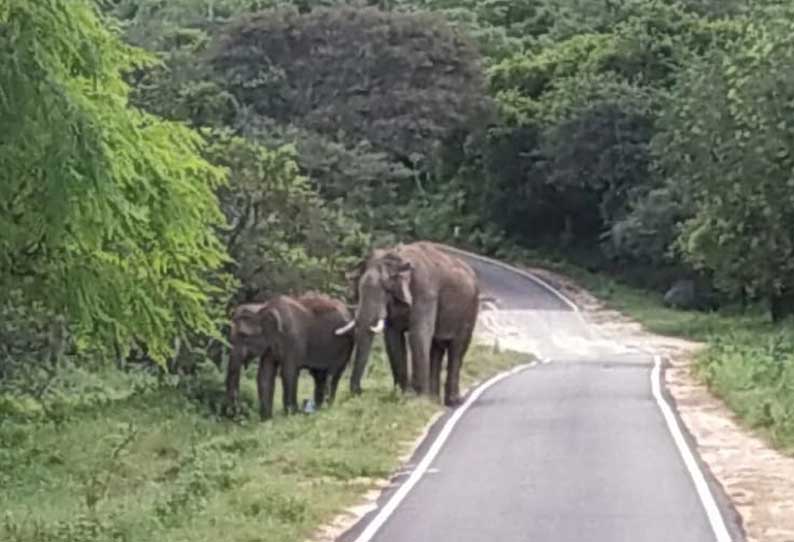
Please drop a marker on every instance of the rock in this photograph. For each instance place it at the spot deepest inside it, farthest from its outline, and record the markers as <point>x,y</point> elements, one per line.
<point>681,295</point>
<point>685,294</point>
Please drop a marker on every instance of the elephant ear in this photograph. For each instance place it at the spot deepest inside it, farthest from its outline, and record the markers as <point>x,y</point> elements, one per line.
<point>246,325</point>
<point>401,283</point>
<point>271,313</point>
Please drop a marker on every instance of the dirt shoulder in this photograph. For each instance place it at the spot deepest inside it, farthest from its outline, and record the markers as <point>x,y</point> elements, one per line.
<point>758,479</point>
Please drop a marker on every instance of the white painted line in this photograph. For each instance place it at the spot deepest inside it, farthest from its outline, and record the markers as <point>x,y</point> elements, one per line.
<point>388,509</point>
<point>710,507</point>
<point>704,492</point>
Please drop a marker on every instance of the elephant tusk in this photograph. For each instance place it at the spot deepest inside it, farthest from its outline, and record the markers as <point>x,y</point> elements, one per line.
<point>377,328</point>
<point>345,328</point>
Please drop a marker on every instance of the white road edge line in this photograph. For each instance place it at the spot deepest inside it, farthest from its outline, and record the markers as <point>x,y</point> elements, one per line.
<point>710,507</point>
<point>704,492</point>
<point>713,513</point>
<point>388,509</point>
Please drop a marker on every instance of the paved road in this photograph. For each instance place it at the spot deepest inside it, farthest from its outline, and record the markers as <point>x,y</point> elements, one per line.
<point>574,450</point>
<point>531,318</point>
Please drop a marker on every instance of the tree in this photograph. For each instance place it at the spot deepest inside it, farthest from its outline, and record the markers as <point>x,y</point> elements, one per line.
<point>727,138</point>
<point>406,83</point>
<point>283,236</point>
<point>579,114</point>
<point>108,213</point>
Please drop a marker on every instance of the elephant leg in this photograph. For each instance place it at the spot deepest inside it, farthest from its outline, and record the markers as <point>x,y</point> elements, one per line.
<point>457,351</point>
<point>334,384</point>
<point>289,382</point>
<point>396,352</point>
<point>320,379</point>
<point>422,329</point>
<point>266,385</point>
<point>437,350</point>
<point>232,384</point>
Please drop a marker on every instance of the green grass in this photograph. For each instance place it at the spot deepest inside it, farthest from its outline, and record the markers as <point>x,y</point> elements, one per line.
<point>748,361</point>
<point>159,465</point>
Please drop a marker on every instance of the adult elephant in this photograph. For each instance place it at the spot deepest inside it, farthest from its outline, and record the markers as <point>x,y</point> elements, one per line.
<point>290,334</point>
<point>420,290</point>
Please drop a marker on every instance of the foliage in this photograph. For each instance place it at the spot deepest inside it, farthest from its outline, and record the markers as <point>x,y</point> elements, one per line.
<point>107,212</point>
<point>283,236</point>
<point>726,137</point>
<point>366,182</point>
<point>374,181</point>
<point>580,109</point>
<point>406,83</point>
<point>650,228</point>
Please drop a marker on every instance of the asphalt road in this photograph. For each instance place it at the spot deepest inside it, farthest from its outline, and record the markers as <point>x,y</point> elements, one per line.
<point>573,450</point>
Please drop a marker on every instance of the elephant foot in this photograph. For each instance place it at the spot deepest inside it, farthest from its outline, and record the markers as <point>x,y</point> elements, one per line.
<point>453,402</point>
<point>230,409</point>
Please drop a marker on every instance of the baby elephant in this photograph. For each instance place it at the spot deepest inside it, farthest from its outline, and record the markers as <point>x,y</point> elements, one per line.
<point>291,334</point>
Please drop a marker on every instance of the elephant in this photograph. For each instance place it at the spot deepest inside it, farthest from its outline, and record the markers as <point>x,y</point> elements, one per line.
<point>290,334</point>
<point>420,290</point>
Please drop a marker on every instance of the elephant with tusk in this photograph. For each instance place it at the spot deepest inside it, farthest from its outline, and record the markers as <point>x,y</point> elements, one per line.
<point>290,334</point>
<point>419,290</point>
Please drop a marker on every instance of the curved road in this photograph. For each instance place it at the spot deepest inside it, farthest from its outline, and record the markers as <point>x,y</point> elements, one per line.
<point>576,449</point>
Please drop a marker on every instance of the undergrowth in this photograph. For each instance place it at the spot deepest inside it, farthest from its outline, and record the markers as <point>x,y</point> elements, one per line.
<point>157,462</point>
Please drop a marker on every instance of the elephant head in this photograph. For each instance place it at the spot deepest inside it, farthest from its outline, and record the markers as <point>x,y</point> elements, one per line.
<point>384,279</point>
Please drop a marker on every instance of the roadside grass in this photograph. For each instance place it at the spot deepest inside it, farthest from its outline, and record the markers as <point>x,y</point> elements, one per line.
<point>748,361</point>
<point>159,464</point>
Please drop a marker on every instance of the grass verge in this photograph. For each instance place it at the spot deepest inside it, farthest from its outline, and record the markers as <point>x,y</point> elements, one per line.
<point>159,465</point>
<point>748,361</point>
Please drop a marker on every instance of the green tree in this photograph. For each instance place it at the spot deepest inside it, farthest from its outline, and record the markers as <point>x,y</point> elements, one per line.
<point>579,114</point>
<point>283,236</point>
<point>406,83</point>
<point>108,214</point>
<point>727,138</point>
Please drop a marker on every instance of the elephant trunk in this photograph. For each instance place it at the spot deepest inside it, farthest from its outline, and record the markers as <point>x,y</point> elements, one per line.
<point>363,349</point>
<point>365,333</point>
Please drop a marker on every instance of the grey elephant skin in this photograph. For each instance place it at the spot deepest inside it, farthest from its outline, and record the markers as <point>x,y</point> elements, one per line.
<point>433,297</point>
<point>290,334</point>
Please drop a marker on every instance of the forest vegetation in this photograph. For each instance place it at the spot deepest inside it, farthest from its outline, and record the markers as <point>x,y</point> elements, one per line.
<point>163,161</point>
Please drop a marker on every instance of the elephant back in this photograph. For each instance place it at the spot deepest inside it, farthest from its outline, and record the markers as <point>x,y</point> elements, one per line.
<point>321,304</point>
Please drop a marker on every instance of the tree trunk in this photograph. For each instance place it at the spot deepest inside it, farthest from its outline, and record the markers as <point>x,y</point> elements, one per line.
<point>781,305</point>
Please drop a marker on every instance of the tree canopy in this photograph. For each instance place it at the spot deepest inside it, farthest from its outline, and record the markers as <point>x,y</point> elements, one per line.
<point>727,138</point>
<point>405,83</point>
<point>108,213</point>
